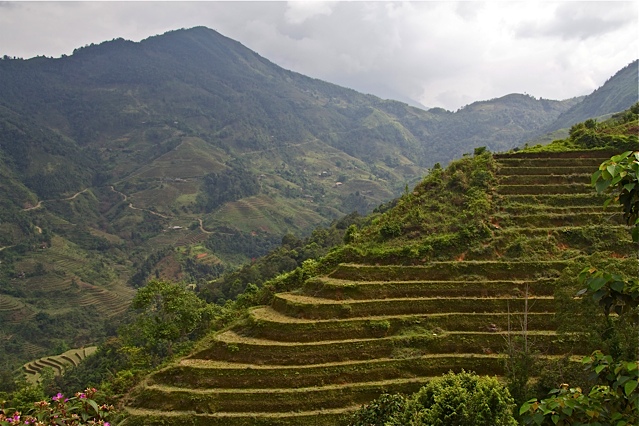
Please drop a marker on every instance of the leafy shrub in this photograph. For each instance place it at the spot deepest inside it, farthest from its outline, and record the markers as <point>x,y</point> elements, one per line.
<point>379,412</point>
<point>390,230</point>
<point>463,399</point>
<point>80,410</point>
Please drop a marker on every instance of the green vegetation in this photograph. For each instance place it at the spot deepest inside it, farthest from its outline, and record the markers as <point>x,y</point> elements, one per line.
<point>463,399</point>
<point>398,304</point>
<point>615,398</point>
<point>618,132</point>
<point>79,410</point>
<point>215,157</point>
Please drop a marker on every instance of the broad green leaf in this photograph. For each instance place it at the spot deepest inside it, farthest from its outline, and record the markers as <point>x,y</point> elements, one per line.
<point>617,286</point>
<point>595,176</point>
<point>93,404</point>
<point>615,180</point>
<point>596,283</point>
<point>629,387</point>
<point>620,157</point>
<point>601,185</point>
<point>612,169</point>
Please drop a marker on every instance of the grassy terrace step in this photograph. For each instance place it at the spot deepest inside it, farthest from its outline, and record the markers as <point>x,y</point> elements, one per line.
<point>600,153</point>
<point>518,209</point>
<point>167,398</point>
<point>332,417</point>
<point>553,200</point>
<point>229,346</point>
<point>552,162</point>
<point>555,171</point>
<point>329,288</point>
<point>618,231</point>
<point>453,271</point>
<point>545,179</point>
<point>267,323</point>
<point>199,374</point>
<point>543,219</point>
<point>301,306</point>
<point>574,188</point>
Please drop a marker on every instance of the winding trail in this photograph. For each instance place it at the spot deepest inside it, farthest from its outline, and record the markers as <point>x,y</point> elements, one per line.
<point>124,197</point>
<point>202,227</point>
<point>74,196</point>
<point>131,206</point>
<point>37,206</point>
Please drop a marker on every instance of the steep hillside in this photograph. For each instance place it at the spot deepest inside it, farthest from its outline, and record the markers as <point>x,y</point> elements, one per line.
<point>617,94</point>
<point>481,254</point>
<point>187,154</point>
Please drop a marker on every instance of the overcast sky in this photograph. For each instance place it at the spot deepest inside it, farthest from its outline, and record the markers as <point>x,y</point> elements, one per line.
<point>445,54</point>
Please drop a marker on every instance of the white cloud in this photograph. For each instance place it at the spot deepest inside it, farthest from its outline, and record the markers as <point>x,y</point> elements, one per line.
<point>299,11</point>
<point>439,53</point>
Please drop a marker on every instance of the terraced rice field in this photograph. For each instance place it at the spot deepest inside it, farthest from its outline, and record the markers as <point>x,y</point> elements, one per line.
<point>107,303</point>
<point>314,355</point>
<point>13,311</point>
<point>58,363</point>
<point>259,212</point>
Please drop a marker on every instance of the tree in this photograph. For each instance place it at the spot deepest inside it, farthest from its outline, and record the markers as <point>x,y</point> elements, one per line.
<point>169,314</point>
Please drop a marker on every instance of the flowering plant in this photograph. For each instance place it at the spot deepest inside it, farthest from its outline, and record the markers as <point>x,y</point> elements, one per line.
<point>80,410</point>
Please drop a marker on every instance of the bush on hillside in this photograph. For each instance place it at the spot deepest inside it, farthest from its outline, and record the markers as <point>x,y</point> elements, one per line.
<point>463,399</point>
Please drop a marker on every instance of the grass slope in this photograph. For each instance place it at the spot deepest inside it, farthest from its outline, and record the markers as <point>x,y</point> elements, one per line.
<point>439,281</point>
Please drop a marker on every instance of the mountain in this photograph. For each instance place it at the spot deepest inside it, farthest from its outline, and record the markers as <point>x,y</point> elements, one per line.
<point>187,154</point>
<point>617,94</point>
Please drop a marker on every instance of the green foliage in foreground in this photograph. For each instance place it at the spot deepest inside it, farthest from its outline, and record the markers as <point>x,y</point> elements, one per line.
<point>616,402</point>
<point>79,410</point>
<point>463,399</point>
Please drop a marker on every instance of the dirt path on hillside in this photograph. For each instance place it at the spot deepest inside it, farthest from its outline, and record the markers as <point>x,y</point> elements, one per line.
<point>202,227</point>
<point>131,206</point>
<point>123,195</point>
<point>149,211</point>
<point>73,197</point>
<point>37,206</point>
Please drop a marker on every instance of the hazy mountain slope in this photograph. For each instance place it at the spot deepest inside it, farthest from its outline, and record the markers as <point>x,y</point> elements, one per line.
<point>498,124</point>
<point>617,94</point>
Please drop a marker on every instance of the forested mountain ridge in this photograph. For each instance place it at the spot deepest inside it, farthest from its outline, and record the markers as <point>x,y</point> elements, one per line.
<point>616,94</point>
<point>185,153</point>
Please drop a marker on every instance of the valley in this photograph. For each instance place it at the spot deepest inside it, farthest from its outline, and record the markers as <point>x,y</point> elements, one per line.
<point>342,244</point>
